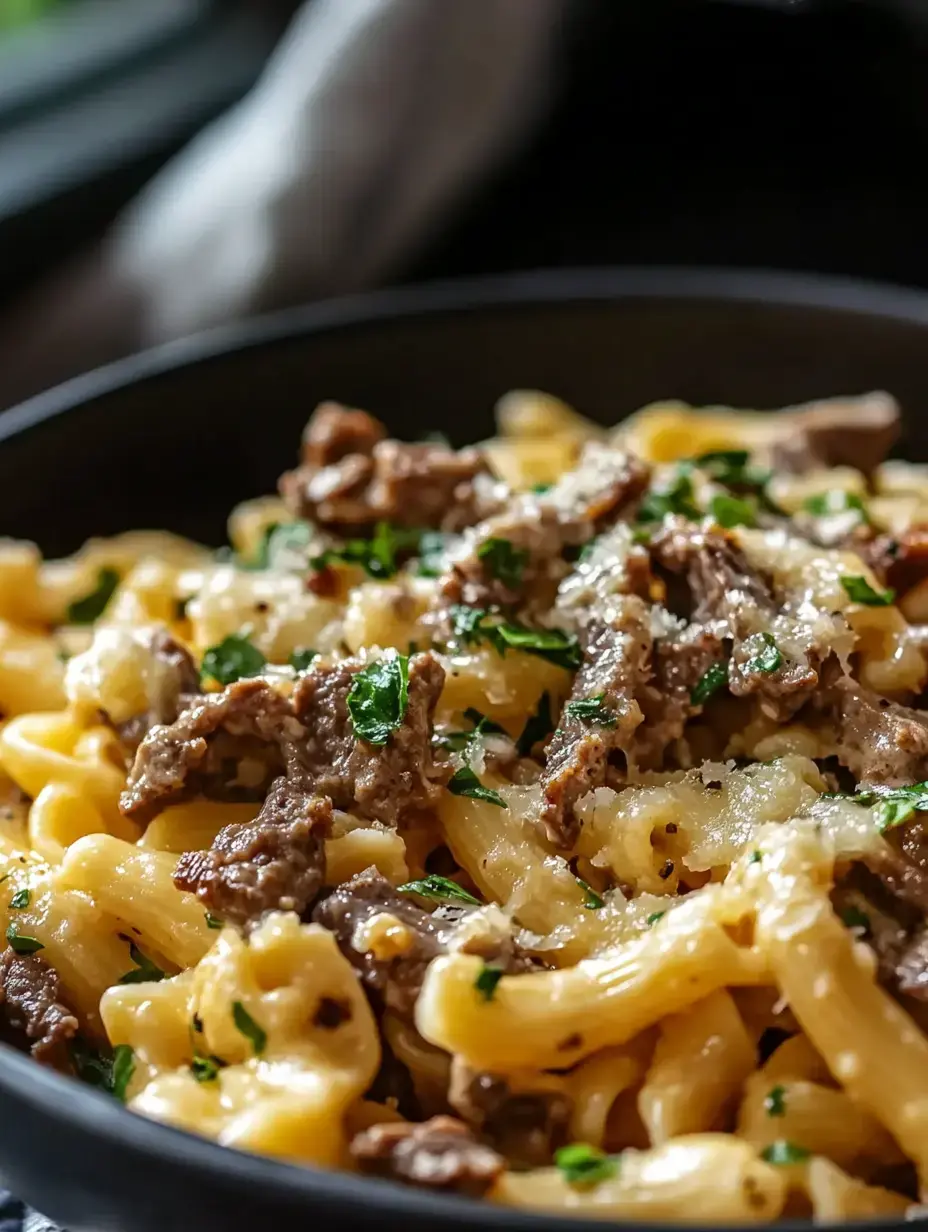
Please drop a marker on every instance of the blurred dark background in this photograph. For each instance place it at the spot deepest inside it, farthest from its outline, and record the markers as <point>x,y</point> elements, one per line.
<point>778,133</point>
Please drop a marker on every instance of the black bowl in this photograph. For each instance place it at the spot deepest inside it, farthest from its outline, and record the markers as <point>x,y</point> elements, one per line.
<point>175,437</point>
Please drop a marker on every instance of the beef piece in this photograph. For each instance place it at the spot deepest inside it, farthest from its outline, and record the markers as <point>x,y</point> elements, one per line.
<point>274,863</point>
<point>856,432</point>
<point>351,478</point>
<point>31,1008</point>
<point>899,561</point>
<point>175,685</point>
<point>888,895</point>
<point>679,663</point>
<point>540,527</point>
<point>616,664</point>
<point>438,1154</point>
<point>227,745</point>
<point>526,1127</point>
<point>878,740</point>
<point>335,431</point>
<point>393,969</point>
<point>911,970</point>
<point>380,782</point>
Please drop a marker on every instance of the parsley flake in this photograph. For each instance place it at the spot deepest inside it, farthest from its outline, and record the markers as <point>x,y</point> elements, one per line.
<point>379,556</point>
<point>21,944</point>
<point>733,469</point>
<point>432,547</point>
<point>892,806</point>
<point>504,561</point>
<point>464,782</point>
<point>283,546</point>
<point>825,504</point>
<point>301,659</point>
<point>109,1072</point>
<point>206,1069</point>
<point>654,917</point>
<point>784,1153</point>
<point>674,497</point>
<point>472,625</point>
<point>20,899</point>
<point>234,658</point>
<point>592,711</point>
<point>755,857</point>
<point>764,653</point>
<point>537,727</point>
<point>775,1101</point>
<point>581,1164</point>
<point>123,1069</point>
<point>731,511</point>
<point>249,1028</point>
<point>712,679</point>
<point>145,970</point>
<point>486,981</point>
<point>591,900</point>
<point>213,921</point>
<point>859,590</point>
<point>440,889</point>
<point>92,606</point>
<point>378,698</point>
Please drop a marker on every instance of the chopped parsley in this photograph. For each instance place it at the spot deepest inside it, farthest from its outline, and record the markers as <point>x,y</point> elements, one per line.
<point>486,981</point>
<point>859,590</point>
<point>825,504</point>
<point>123,1069</point>
<point>466,623</point>
<point>775,1101</point>
<point>20,899</point>
<point>654,917</point>
<point>234,658</point>
<point>540,488</point>
<point>472,625</point>
<point>504,561</point>
<point>283,546</point>
<point>21,944</point>
<point>379,557</point>
<point>459,740</point>
<point>145,970</point>
<point>440,889</point>
<point>764,653</point>
<point>464,782</point>
<point>755,857</point>
<point>731,511</point>
<point>431,552</point>
<point>206,1069</point>
<point>301,658</point>
<point>894,805</point>
<point>93,1067</point>
<point>712,679</point>
<point>853,917</point>
<point>592,710</point>
<point>675,497</point>
<point>537,727</point>
<point>782,1152</point>
<point>591,900</point>
<point>733,469</point>
<point>249,1028</point>
<point>85,611</point>
<point>213,921</point>
<point>378,698</point>
<point>581,1164</point>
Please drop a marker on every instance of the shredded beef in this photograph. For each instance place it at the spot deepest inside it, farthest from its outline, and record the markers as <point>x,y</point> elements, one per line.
<point>856,432</point>
<point>899,561</point>
<point>274,863</point>
<point>351,478</point>
<point>524,1126</point>
<point>227,745</point>
<point>879,741</point>
<point>678,663</point>
<point>438,1154</point>
<point>176,686</point>
<point>382,783</point>
<point>31,1008</point>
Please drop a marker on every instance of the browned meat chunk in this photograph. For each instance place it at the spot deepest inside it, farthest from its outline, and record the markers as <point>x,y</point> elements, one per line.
<point>678,663</point>
<point>31,1008</point>
<point>878,740</point>
<point>274,863</point>
<point>899,561</point>
<point>437,1154</point>
<point>856,432</point>
<point>524,1126</point>
<point>382,783</point>
<point>351,478</point>
<point>177,686</point>
<point>228,745</point>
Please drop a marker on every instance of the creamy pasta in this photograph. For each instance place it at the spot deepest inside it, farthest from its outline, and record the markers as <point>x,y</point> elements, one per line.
<point>540,821</point>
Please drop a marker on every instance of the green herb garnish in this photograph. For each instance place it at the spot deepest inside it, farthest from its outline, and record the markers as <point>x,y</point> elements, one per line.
<point>859,590</point>
<point>592,711</point>
<point>93,1067</point>
<point>85,611</point>
<point>471,625</point>
<point>775,1101</point>
<point>123,1069</point>
<point>824,504</point>
<point>249,1028</point>
<point>581,1164</point>
<point>731,511</point>
<point>440,889</point>
<point>213,921</point>
<point>783,1152</point>
<point>675,497</point>
<point>755,857</point>
<point>378,698</point>
<point>20,944</point>
<point>379,556</point>
<point>301,659</point>
<point>504,561</point>
<point>283,546</point>
<point>732,468</point>
<point>853,917</point>
<point>538,726</point>
<point>654,917</point>
<point>464,782</point>
<point>540,488</point>
<point>591,900</point>
<point>234,658</point>
<point>892,806</point>
<point>206,1069</point>
<point>466,624</point>
<point>145,970</point>
<point>486,981</point>
<point>20,899</point>
<point>431,552</point>
<point>764,653</point>
<point>712,679</point>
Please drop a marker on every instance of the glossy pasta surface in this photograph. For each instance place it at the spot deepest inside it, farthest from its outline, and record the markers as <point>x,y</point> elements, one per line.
<point>543,821</point>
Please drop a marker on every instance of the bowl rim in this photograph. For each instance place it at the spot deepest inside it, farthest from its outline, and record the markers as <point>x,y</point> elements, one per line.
<point>88,1112</point>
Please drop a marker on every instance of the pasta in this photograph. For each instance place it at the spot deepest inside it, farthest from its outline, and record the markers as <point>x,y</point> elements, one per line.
<point>542,821</point>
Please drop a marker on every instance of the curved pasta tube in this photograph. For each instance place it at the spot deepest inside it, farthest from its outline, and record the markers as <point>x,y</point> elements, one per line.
<point>287,1095</point>
<point>530,1018</point>
<point>505,688</point>
<point>837,1197</point>
<point>700,1178</point>
<point>60,815</point>
<point>38,749</point>
<point>31,673</point>
<point>596,1084</point>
